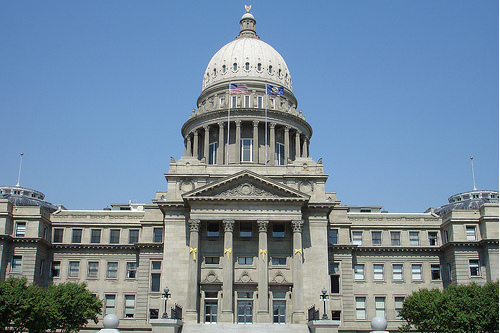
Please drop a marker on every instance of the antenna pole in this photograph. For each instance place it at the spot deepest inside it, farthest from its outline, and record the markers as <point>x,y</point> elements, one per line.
<point>19,175</point>
<point>473,178</point>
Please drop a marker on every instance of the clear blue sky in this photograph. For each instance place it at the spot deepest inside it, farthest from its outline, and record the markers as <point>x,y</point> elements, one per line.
<point>399,93</point>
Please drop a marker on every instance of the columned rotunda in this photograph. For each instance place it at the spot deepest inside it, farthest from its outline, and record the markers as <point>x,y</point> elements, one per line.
<point>245,233</point>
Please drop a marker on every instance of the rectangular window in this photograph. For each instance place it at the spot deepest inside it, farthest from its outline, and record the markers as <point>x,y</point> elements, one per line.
<point>213,229</point>
<point>155,265</point>
<point>133,236</point>
<point>474,267</point>
<point>278,261</point>
<point>334,278</point>
<point>414,238</point>
<point>42,264</point>
<point>20,229</point>
<point>112,272</point>
<point>245,260</point>
<point>471,233</point>
<point>416,272</point>
<point>380,307</point>
<point>154,313</point>
<point>109,303</point>
<point>95,236</point>
<point>397,272</point>
<point>433,238</point>
<point>259,102</point>
<point>378,272</point>
<point>74,269</point>
<point>114,236</point>
<point>58,235</point>
<point>333,236</point>
<point>233,102</point>
<point>436,272</point>
<point>273,103</point>
<point>16,264</point>
<point>131,270</point>
<point>395,238</point>
<point>278,230</point>
<point>129,306</point>
<point>155,282</point>
<point>398,305</point>
<point>212,152</point>
<point>359,272</point>
<point>357,238</point>
<point>157,235</point>
<point>93,270</point>
<point>376,238</point>
<point>247,101</point>
<point>45,233</point>
<point>77,236</point>
<point>212,260</point>
<point>446,237</point>
<point>245,229</point>
<point>55,269</point>
<point>246,150</point>
<point>280,153</point>
<point>360,308</point>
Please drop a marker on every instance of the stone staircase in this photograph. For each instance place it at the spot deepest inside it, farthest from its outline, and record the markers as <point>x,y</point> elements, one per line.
<point>244,328</point>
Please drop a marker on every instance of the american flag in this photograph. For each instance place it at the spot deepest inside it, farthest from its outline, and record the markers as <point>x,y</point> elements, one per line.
<point>238,89</point>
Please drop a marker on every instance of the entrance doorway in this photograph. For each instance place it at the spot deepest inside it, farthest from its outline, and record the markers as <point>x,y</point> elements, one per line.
<point>279,312</point>
<point>245,310</point>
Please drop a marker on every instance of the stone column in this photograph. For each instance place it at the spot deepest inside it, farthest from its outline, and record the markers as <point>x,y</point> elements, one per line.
<point>272,143</point>
<point>263,275</point>
<point>195,143</point>
<point>298,315</point>
<point>255,158</point>
<point>237,143</point>
<point>227,273</point>
<point>287,144</point>
<point>193,272</point>
<point>207,141</point>
<point>304,147</point>
<point>188,145</point>
<point>297,144</point>
<point>220,148</point>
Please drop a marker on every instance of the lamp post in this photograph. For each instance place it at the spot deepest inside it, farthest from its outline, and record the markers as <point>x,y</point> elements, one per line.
<point>324,298</point>
<point>165,296</point>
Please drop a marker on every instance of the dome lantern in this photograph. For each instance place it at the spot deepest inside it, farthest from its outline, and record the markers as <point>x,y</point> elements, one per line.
<point>247,25</point>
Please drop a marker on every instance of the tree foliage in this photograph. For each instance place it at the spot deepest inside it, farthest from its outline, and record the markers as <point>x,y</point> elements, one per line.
<point>458,309</point>
<point>66,307</point>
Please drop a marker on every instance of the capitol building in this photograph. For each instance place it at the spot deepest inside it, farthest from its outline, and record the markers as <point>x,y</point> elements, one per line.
<point>245,232</point>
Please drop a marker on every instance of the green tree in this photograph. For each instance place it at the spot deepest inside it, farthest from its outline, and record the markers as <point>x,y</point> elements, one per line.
<point>458,309</point>
<point>75,306</point>
<point>13,293</point>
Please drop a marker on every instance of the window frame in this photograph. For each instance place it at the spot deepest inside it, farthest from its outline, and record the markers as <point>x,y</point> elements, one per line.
<point>73,271</point>
<point>112,270</point>
<point>114,236</point>
<point>474,264</point>
<point>57,235</point>
<point>157,237</point>
<point>126,306</point>
<point>333,236</point>
<point>360,300</point>
<point>279,233</point>
<point>395,272</point>
<point>436,268</point>
<point>107,298</point>
<point>16,264</point>
<point>245,261</point>
<point>20,229</point>
<point>131,267</point>
<point>376,240</point>
<point>359,276</point>
<point>378,309</point>
<point>378,272</point>
<point>278,261</point>
<point>248,232</point>
<point>419,272</point>
<point>94,237</point>
<point>396,241</point>
<point>471,237</point>
<point>134,237</point>
<point>55,266</point>
<point>76,235</point>
<point>413,241</point>
<point>246,150</point>
<point>433,237</point>
<point>355,239</point>
<point>89,270</point>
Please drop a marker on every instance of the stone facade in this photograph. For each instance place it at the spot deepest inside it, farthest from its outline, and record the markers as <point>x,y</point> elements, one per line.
<point>246,232</point>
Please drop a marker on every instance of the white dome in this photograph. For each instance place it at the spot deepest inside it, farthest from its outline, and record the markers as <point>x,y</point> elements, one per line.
<point>260,56</point>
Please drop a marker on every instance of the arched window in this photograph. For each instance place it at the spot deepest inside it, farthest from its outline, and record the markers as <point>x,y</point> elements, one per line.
<point>279,72</point>
<point>270,69</point>
<point>223,68</point>
<point>259,66</point>
<point>247,66</point>
<point>235,67</point>
<point>215,72</point>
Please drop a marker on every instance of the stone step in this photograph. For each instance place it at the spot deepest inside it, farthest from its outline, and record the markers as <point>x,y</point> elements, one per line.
<point>245,328</point>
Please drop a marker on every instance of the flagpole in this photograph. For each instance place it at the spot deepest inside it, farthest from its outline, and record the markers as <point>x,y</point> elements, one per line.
<point>228,124</point>
<point>267,101</point>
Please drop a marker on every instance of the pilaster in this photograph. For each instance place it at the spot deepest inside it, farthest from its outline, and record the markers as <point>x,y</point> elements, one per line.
<point>193,272</point>
<point>220,148</point>
<point>188,145</point>
<point>237,145</point>
<point>287,144</point>
<point>272,144</point>
<point>255,158</point>
<point>263,279</point>
<point>196,141</point>
<point>297,144</point>
<point>228,273</point>
<point>206,141</point>
<point>298,315</point>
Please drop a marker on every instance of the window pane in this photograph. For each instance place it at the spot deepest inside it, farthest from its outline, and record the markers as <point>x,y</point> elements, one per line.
<point>56,268</point>
<point>471,233</point>
<point>157,235</point>
<point>333,236</point>
<point>378,272</point>
<point>74,268</point>
<point>20,229</point>
<point>359,272</point>
<point>436,272</point>
<point>58,235</point>
<point>376,238</point>
<point>114,236</point>
<point>395,238</point>
<point>360,308</point>
<point>156,265</point>
<point>357,238</point>
<point>155,282</point>
<point>95,236</point>
<point>245,229</point>
<point>278,230</point>
<point>77,236</point>
<point>380,307</point>
<point>131,270</point>
<point>397,272</point>
<point>246,150</point>
<point>474,267</point>
<point>133,236</point>
<point>16,264</point>
<point>433,238</point>
<point>416,271</point>
<point>414,238</point>
<point>112,270</point>
<point>213,229</point>
<point>93,269</point>
<point>109,304</point>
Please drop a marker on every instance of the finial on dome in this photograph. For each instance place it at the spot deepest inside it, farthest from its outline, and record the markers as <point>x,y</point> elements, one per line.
<point>247,8</point>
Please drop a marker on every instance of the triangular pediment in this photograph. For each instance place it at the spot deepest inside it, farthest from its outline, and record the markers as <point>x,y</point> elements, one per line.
<point>245,185</point>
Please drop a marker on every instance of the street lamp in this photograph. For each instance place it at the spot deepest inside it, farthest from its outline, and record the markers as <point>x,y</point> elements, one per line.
<point>324,298</point>
<point>165,296</point>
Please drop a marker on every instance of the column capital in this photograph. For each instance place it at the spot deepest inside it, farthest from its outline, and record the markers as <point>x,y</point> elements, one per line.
<point>221,124</point>
<point>287,128</point>
<point>194,225</point>
<point>228,225</point>
<point>262,225</point>
<point>195,132</point>
<point>297,225</point>
<point>272,125</point>
<point>299,132</point>
<point>255,123</point>
<point>205,127</point>
<point>237,122</point>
